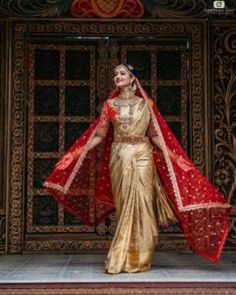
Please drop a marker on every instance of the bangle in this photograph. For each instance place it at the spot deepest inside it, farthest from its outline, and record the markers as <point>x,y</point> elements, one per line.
<point>73,154</point>
<point>76,152</point>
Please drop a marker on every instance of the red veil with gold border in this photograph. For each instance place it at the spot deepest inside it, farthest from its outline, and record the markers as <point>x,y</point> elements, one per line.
<point>202,210</point>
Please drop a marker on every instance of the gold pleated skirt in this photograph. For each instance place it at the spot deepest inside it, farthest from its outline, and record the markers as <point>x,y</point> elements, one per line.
<point>140,203</point>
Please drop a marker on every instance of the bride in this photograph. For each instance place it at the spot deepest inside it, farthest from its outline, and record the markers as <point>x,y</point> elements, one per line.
<point>144,175</point>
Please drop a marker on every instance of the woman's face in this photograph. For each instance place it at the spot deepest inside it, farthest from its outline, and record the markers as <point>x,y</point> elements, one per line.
<point>122,77</point>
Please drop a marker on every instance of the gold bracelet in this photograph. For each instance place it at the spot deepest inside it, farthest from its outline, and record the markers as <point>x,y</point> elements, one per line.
<point>175,157</point>
<point>73,154</point>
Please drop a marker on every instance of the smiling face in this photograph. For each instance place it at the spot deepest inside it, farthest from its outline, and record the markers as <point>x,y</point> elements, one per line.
<point>122,77</point>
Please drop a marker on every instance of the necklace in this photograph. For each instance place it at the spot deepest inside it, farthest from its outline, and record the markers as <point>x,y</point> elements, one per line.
<point>119,102</point>
<point>125,108</point>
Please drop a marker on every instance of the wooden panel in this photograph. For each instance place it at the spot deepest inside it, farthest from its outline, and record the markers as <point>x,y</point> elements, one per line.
<point>33,228</point>
<point>3,130</point>
<point>223,106</point>
<point>62,101</point>
<point>167,88</point>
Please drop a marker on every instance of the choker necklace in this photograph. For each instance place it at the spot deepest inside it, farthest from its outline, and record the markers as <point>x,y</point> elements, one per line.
<point>127,101</point>
<point>120,102</point>
<point>124,98</point>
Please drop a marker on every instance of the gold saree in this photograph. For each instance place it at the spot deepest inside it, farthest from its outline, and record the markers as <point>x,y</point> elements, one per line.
<point>141,202</point>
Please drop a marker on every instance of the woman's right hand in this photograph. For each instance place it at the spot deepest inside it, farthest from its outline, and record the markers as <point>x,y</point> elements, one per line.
<point>67,159</point>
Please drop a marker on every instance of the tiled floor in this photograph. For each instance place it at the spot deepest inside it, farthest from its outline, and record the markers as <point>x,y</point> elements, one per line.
<point>167,267</point>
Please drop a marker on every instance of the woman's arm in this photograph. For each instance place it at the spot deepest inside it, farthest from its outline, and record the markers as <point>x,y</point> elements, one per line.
<point>67,159</point>
<point>156,141</point>
<point>179,160</point>
<point>96,140</point>
<point>100,134</point>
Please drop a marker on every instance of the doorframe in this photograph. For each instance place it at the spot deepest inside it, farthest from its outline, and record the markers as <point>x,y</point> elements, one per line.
<point>21,29</point>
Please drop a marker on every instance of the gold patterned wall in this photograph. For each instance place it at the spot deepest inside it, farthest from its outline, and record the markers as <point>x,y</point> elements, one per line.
<point>4,107</point>
<point>41,129</point>
<point>223,106</point>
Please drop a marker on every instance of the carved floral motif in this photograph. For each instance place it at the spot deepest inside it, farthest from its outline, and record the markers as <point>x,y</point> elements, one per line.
<point>117,8</point>
<point>224,95</point>
<point>107,9</point>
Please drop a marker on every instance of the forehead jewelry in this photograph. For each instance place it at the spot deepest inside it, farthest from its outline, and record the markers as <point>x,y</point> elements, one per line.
<point>129,67</point>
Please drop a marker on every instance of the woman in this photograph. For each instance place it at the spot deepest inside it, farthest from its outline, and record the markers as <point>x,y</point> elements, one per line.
<point>145,175</point>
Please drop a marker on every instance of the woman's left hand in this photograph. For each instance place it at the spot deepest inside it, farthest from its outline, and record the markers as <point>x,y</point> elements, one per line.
<point>183,164</point>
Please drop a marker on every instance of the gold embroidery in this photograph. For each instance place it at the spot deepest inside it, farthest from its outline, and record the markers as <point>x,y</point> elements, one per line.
<point>205,206</point>
<point>131,139</point>
<point>55,186</point>
<point>104,122</point>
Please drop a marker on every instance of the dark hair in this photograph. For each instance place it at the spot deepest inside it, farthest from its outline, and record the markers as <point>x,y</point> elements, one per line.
<point>130,68</point>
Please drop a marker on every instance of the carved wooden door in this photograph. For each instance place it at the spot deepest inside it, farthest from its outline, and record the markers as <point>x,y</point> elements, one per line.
<point>67,81</point>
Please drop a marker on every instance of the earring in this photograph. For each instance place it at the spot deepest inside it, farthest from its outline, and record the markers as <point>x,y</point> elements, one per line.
<point>134,87</point>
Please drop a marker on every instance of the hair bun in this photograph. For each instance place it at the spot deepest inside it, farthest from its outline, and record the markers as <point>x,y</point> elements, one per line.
<point>130,68</point>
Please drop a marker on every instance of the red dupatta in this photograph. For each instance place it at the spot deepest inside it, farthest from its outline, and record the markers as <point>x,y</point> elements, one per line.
<point>86,192</point>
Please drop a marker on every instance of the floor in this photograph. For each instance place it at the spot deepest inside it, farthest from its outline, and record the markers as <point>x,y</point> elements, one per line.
<point>167,267</point>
